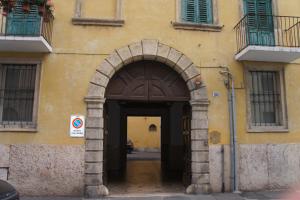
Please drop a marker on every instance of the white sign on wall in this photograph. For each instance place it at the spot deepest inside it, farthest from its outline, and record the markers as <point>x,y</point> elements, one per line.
<point>77,124</point>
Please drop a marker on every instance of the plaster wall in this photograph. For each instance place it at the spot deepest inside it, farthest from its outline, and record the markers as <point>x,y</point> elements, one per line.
<point>138,132</point>
<point>77,53</point>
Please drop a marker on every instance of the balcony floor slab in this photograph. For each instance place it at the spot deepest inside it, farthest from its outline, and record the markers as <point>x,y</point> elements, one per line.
<point>24,44</point>
<point>268,54</point>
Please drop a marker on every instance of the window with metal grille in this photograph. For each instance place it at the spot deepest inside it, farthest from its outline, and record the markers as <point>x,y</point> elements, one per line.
<point>197,11</point>
<point>17,94</point>
<point>265,98</point>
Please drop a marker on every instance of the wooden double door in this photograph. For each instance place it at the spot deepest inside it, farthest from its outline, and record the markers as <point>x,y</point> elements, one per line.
<point>175,137</point>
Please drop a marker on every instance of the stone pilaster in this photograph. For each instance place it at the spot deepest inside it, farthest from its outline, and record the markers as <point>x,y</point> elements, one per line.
<point>199,148</point>
<point>94,149</point>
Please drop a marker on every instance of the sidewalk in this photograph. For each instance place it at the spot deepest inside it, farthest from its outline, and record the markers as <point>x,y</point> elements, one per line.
<point>266,195</point>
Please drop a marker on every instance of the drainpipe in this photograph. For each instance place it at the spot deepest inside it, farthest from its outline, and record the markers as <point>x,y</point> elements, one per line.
<point>229,83</point>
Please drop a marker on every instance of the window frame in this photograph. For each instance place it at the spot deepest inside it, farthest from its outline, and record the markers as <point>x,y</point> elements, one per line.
<point>28,126</point>
<point>282,111</point>
<point>213,27</point>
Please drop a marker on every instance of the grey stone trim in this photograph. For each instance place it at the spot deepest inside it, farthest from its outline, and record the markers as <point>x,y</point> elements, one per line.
<point>97,22</point>
<point>197,27</point>
<point>147,49</point>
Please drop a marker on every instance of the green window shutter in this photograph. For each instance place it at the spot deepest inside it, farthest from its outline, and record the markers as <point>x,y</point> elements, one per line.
<point>205,11</point>
<point>21,23</point>
<point>188,11</point>
<point>250,9</point>
<point>197,11</point>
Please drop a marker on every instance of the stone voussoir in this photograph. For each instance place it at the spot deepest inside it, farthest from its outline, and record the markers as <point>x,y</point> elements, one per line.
<point>115,60</point>
<point>173,58</point>
<point>125,55</point>
<point>136,51</point>
<point>106,68</point>
<point>190,72</point>
<point>162,52</point>
<point>100,79</point>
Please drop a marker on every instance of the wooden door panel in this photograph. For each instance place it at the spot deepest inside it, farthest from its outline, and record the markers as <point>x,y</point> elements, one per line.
<point>147,81</point>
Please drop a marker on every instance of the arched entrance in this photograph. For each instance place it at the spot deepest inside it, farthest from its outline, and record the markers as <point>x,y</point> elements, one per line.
<point>140,91</point>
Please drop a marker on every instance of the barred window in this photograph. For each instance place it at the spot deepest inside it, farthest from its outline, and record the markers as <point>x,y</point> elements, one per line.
<point>17,95</point>
<point>265,98</point>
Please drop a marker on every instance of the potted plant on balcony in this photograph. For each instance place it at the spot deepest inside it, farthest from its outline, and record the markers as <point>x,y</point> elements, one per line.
<point>48,10</point>
<point>26,6</point>
<point>41,6</point>
<point>7,6</point>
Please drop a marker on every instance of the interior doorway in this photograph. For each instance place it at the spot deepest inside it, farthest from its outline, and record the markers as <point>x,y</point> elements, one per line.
<point>157,168</point>
<point>152,89</point>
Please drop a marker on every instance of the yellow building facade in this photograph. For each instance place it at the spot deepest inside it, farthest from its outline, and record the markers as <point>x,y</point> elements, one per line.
<point>93,39</point>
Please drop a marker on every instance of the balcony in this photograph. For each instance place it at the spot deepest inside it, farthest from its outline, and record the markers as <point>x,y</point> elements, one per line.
<point>25,32</point>
<point>268,38</point>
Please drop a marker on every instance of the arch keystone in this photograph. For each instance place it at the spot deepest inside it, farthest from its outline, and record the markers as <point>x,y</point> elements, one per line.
<point>149,48</point>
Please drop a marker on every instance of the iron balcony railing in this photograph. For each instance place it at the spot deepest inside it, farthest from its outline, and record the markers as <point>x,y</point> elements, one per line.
<point>27,25</point>
<point>267,30</point>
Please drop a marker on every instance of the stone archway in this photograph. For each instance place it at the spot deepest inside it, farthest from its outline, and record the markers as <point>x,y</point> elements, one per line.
<point>95,99</point>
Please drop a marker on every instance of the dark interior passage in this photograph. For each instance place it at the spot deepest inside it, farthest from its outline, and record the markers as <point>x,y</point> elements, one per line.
<point>162,171</point>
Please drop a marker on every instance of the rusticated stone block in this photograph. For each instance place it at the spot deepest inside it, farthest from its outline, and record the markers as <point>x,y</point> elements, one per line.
<point>94,156</point>
<point>200,178</point>
<point>93,179</point>
<point>199,189</point>
<point>199,134</point>
<point>96,191</point>
<point>199,124</point>
<point>200,168</point>
<point>93,168</point>
<point>96,91</point>
<point>94,122</point>
<point>94,133</point>
<point>94,112</point>
<point>200,156</point>
<point>93,145</point>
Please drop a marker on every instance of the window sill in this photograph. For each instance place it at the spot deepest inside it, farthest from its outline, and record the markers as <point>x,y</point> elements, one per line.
<point>18,128</point>
<point>29,130</point>
<point>97,22</point>
<point>197,27</point>
<point>267,130</point>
